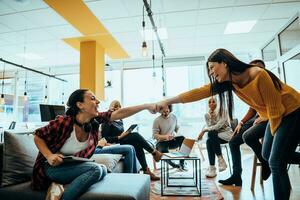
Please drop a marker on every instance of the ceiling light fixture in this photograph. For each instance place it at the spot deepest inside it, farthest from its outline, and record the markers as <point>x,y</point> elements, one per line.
<point>239,27</point>
<point>144,44</point>
<point>2,100</point>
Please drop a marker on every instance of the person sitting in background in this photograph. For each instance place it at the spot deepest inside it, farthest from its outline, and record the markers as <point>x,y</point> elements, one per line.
<point>113,132</point>
<point>219,132</point>
<point>250,129</point>
<point>75,134</point>
<point>164,128</point>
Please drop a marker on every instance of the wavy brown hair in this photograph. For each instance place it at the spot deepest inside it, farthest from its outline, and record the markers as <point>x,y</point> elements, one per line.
<point>224,89</point>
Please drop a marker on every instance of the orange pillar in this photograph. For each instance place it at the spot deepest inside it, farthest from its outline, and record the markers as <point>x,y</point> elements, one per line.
<point>92,67</point>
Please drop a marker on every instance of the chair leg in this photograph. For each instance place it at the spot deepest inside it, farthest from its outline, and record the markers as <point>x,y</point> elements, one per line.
<point>228,159</point>
<point>253,173</point>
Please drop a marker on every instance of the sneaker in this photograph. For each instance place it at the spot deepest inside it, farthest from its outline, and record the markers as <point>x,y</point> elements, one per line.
<point>55,191</point>
<point>222,164</point>
<point>183,166</point>
<point>211,172</point>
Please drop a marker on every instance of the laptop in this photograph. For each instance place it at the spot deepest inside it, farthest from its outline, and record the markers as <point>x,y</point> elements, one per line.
<point>184,151</point>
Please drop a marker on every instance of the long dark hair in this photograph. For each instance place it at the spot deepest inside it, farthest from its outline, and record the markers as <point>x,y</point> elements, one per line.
<point>224,89</point>
<point>76,96</point>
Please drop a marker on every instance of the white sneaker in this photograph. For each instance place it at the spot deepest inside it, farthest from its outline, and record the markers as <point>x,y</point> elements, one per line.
<point>222,164</point>
<point>211,172</point>
<point>55,191</point>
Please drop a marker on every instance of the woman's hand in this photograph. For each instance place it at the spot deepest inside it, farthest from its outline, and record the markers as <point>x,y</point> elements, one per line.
<point>102,142</point>
<point>161,105</point>
<point>258,120</point>
<point>152,108</point>
<point>237,129</point>
<point>55,159</point>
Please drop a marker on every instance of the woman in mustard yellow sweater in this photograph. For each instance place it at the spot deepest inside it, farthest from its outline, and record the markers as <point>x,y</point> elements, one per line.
<point>263,91</point>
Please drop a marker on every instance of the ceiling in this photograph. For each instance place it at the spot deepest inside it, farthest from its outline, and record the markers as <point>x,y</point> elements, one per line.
<point>194,27</point>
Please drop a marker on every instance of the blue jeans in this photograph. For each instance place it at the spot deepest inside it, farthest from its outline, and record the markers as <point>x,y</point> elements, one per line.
<point>279,150</point>
<point>130,165</point>
<point>80,176</point>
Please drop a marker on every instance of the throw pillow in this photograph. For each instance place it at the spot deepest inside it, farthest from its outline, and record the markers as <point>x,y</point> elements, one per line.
<point>19,154</point>
<point>109,160</point>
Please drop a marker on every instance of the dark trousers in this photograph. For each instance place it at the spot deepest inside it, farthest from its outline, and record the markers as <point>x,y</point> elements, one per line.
<point>164,146</point>
<point>279,150</point>
<point>250,134</point>
<point>213,146</point>
<point>139,144</point>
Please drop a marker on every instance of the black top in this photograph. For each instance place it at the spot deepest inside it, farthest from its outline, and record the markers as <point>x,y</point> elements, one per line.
<point>111,131</point>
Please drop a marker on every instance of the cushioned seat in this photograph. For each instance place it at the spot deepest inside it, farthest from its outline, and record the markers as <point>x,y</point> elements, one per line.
<point>115,186</point>
<point>18,156</point>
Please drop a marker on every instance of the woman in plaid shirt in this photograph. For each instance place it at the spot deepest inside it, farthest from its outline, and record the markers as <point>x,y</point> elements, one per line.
<point>74,134</point>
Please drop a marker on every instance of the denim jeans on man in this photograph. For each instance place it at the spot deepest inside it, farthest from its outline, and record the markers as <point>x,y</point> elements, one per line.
<point>279,149</point>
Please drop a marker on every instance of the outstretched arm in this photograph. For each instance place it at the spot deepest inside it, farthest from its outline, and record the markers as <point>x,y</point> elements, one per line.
<point>128,111</point>
<point>186,97</point>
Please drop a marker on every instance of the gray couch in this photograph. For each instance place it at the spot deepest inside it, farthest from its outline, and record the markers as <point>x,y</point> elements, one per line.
<point>115,186</point>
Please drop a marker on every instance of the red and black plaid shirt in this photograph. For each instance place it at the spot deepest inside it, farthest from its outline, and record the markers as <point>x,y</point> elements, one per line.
<point>55,135</point>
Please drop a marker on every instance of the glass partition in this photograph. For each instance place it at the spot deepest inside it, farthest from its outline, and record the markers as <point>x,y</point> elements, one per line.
<point>292,71</point>
<point>290,37</point>
<point>269,52</point>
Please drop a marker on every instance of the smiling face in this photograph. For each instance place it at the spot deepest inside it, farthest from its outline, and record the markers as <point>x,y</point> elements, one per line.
<point>219,71</point>
<point>89,106</point>
<point>212,104</point>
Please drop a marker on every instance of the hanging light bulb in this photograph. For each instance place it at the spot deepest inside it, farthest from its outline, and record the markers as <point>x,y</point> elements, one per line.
<point>45,99</point>
<point>25,96</point>
<point>2,100</point>
<point>144,49</point>
<point>62,97</point>
<point>144,44</point>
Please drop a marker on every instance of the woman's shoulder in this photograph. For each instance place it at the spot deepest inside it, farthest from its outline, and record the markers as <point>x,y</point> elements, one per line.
<point>255,71</point>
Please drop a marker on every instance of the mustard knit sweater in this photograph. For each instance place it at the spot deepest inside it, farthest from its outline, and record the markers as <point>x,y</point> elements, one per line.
<point>259,94</point>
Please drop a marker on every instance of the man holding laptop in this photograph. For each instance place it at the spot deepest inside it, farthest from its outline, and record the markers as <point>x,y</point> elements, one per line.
<point>164,128</point>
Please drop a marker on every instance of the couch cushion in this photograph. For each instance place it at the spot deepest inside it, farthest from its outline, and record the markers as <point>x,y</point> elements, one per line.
<point>19,154</point>
<point>112,187</point>
<point>116,186</point>
<point>109,160</point>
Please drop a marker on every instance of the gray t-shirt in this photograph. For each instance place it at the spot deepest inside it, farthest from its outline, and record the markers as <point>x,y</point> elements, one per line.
<point>164,126</point>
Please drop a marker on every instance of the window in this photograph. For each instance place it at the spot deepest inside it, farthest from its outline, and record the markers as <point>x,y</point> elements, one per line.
<point>291,71</point>
<point>140,86</point>
<point>28,111</point>
<point>269,52</point>
<point>290,37</point>
<point>112,92</point>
